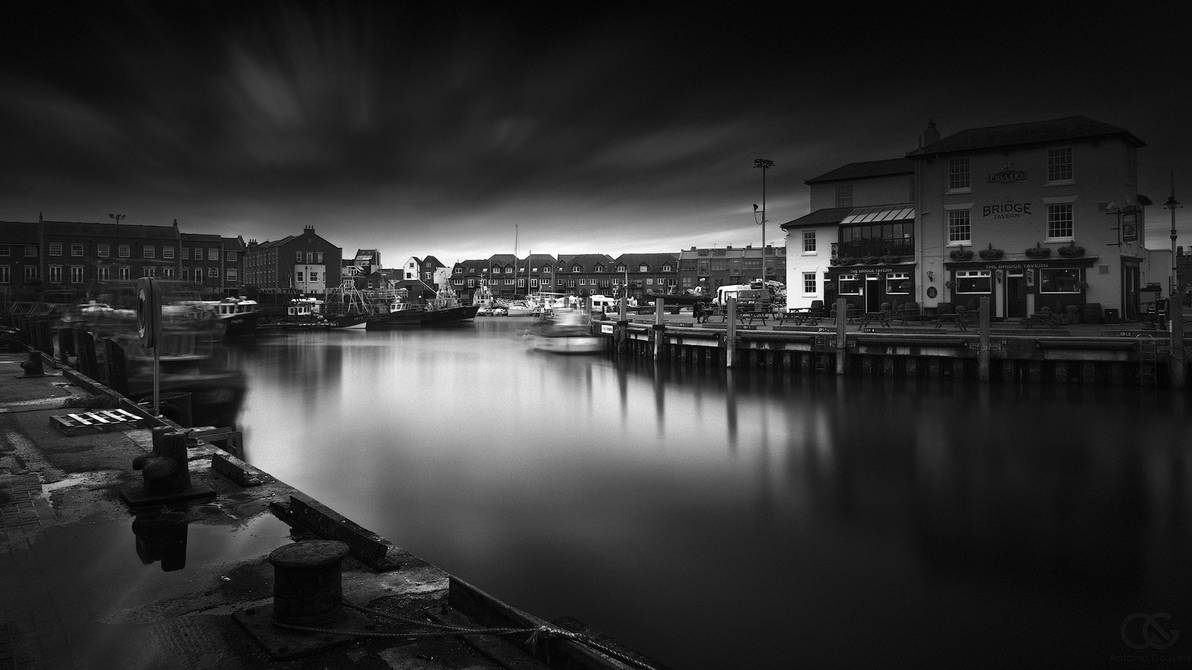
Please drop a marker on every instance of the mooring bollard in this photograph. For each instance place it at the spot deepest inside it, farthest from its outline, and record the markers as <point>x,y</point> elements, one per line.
<point>307,587</point>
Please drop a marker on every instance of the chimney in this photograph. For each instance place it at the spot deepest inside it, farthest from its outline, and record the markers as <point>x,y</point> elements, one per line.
<point>929,136</point>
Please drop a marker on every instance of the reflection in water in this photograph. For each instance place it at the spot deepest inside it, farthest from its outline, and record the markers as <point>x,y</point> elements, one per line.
<point>161,536</point>
<point>703,516</point>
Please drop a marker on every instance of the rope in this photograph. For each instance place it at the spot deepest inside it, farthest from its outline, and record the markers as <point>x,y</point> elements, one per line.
<point>537,634</point>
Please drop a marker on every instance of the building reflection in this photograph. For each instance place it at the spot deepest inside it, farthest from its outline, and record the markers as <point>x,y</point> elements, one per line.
<point>161,537</point>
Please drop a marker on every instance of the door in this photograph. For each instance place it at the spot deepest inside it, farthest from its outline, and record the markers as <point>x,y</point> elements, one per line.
<point>1130,280</point>
<point>1015,295</point>
<point>873,296</point>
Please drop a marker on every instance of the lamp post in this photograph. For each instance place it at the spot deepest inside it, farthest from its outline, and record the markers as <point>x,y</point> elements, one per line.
<point>764,164</point>
<point>1175,306</point>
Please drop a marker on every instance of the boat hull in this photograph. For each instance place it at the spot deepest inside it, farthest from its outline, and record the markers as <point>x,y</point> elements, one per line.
<point>424,317</point>
<point>567,344</point>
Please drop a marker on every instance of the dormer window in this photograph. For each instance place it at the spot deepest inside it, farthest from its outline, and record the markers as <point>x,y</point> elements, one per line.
<point>621,268</point>
<point>598,268</point>
<point>577,268</point>
<point>643,268</point>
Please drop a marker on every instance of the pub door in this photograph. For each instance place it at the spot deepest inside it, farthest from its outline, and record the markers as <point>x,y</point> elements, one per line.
<point>1015,295</point>
<point>873,296</point>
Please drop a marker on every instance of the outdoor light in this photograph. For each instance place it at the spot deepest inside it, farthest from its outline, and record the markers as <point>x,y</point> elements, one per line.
<point>764,164</point>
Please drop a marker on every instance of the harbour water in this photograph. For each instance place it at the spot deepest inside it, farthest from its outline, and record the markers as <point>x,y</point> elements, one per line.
<point>744,519</point>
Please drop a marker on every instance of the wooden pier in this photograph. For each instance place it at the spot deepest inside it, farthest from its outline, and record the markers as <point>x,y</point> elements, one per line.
<point>1089,354</point>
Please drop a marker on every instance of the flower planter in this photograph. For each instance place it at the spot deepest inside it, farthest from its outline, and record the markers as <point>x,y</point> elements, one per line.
<point>1038,251</point>
<point>1071,252</point>
<point>990,254</point>
<point>961,255</point>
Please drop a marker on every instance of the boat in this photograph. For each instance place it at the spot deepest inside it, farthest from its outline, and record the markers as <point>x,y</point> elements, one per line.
<point>347,308</point>
<point>522,308</point>
<point>567,333</point>
<point>237,316</point>
<point>301,314</point>
<point>442,310</point>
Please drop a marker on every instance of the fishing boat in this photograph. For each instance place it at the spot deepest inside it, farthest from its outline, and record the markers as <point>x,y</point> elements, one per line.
<point>567,333</point>
<point>237,316</point>
<point>442,310</point>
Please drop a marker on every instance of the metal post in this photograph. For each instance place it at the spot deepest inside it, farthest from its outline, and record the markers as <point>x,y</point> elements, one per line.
<point>764,164</point>
<point>1175,306</point>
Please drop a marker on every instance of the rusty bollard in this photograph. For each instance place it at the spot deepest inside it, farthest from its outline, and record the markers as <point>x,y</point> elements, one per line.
<point>306,582</point>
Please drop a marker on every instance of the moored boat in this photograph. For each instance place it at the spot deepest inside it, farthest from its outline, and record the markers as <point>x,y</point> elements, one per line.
<point>568,333</point>
<point>443,310</point>
<point>237,316</point>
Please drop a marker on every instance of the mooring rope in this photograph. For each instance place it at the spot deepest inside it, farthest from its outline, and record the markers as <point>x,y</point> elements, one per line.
<point>536,633</point>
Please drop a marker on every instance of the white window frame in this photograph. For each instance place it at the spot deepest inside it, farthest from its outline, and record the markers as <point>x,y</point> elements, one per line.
<point>972,275</point>
<point>1060,166</point>
<point>55,248</point>
<point>809,243</point>
<point>848,278</point>
<point>954,226</point>
<point>77,274</point>
<point>1054,208</point>
<point>76,250</point>
<point>897,276</point>
<point>960,175</point>
<point>103,250</point>
<point>55,274</point>
<point>149,251</point>
<point>5,274</point>
<point>811,279</point>
<point>124,251</point>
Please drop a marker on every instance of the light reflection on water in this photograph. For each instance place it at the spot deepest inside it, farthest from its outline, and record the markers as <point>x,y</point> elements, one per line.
<point>743,519</point>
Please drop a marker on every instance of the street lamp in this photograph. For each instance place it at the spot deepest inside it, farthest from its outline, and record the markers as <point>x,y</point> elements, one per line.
<point>764,164</point>
<point>117,217</point>
<point>1172,204</point>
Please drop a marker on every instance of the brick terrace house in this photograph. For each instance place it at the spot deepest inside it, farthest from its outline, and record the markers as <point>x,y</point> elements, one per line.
<point>294,265</point>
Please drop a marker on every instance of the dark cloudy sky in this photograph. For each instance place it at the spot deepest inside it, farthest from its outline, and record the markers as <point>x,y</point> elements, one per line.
<point>588,129</point>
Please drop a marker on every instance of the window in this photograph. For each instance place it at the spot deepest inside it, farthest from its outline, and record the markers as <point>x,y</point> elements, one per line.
<point>643,268</point>
<point>1059,221</point>
<point>186,254</point>
<point>55,274</point>
<point>622,269</point>
<point>809,241</point>
<point>76,274</point>
<point>76,250</point>
<point>5,251</point>
<point>186,274</point>
<point>5,274</point>
<point>55,248</point>
<point>844,195</point>
<point>103,272</point>
<point>972,281</point>
<point>167,252</point>
<point>213,273</point>
<point>30,251</point>
<point>959,175</point>
<point>167,272</point>
<point>521,283</point>
<point>149,271</point>
<point>298,257</point>
<point>314,276</point>
<point>849,285</point>
<point>1059,165</point>
<point>598,268</point>
<point>809,284</point>
<point>30,272</point>
<point>299,276</point>
<point>124,273</point>
<point>149,251</point>
<point>898,283</point>
<point>1059,280</point>
<point>509,282</point>
<point>123,251</point>
<point>103,250</point>
<point>213,254</point>
<point>959,226</point>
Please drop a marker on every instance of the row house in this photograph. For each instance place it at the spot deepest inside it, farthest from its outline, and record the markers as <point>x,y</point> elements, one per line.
<point>645,274</point>
<point>704,269</point>
<point>1031,215</point>
<point>81,258</point>
<point>295,265</point>
<point>428,270</point>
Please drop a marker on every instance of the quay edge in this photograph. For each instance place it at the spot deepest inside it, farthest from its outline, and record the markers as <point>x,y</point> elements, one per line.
<point>1088,354</point>
<point>57,488</point>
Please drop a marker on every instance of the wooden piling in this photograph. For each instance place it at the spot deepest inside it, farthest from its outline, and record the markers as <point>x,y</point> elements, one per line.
<point>841,334</point>
<point>983,340</point>
<point>730,343</point>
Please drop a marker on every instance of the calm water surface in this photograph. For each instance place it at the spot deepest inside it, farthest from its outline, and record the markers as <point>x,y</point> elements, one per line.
<point>715,519</point>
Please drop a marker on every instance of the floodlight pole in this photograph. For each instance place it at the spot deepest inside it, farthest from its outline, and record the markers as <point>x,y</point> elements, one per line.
<point>764,164</point>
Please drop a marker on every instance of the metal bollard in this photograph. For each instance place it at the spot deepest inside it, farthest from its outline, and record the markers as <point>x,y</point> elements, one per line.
<point>306,582</point>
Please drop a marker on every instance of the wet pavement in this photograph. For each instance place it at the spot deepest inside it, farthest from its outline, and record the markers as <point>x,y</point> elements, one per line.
<point>90,581</point>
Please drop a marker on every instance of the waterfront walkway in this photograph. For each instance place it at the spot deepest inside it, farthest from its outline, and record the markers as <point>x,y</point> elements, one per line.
<point>97,572</point>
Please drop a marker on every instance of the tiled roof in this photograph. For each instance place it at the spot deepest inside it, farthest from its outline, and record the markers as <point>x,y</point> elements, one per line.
<point>866,170</point>
<point>654,260</point>
<point>819,217</point>
<point>1067,129</point>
